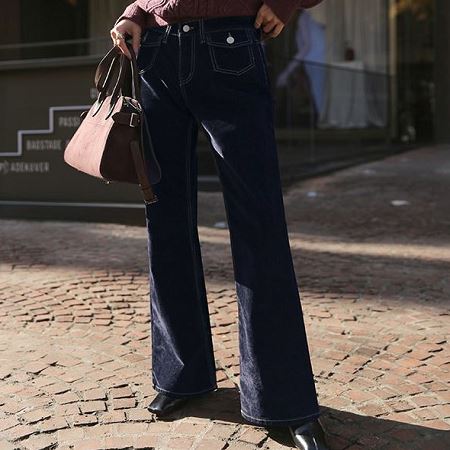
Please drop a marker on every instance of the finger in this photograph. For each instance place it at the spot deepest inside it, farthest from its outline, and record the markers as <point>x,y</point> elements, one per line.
<point>123,47</point>
<point>119,42</point>
<point>112,33</point>
<point>277,30</point>
<point>259,20</point>
<point>269,26</point>
<point>115,37</point>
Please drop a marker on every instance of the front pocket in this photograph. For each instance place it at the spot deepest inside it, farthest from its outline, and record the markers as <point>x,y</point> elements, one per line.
<point>149,49</point>
<point>231,51</point>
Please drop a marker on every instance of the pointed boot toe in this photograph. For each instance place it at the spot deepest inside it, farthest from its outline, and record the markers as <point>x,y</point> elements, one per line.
<point>164,404</point>
<point>309,436</point>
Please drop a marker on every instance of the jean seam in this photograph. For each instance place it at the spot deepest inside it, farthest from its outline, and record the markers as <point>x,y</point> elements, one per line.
<point>263,63</point>
<point>217,68</point>
<point>151,308</point>
<point>166,33</point>
<point>212,370</point>
<point>292,419</point>
<point>192,68</point>
<point>157,49</point>
<point>210,389</point>
<point>213,43</point>
<point>237,27</point>
<point>202,30</point>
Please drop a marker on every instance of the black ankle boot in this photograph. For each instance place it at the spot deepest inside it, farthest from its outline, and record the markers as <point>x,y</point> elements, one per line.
<point>164,404</point>
<point>309,436</point>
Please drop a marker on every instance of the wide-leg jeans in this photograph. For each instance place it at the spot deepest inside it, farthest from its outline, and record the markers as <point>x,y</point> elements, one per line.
<point>212,73</point>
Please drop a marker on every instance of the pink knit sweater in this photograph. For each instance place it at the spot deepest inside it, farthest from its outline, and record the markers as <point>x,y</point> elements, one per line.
<point>148,13</point>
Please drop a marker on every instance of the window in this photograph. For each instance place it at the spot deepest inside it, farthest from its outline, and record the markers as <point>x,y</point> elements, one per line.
<point>57,28</point>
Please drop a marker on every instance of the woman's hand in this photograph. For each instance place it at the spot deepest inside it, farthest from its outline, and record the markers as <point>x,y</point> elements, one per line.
<point>119,32</point>
<point>271,25</point>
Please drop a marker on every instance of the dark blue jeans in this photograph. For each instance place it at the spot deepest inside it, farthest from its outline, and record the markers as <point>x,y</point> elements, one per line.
<point>212,73</point>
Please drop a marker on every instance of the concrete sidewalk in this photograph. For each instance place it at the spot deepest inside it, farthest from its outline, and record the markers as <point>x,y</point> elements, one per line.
<point>375,287</point>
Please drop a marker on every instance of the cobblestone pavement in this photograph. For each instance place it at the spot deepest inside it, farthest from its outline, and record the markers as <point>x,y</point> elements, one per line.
<point>374,281</point>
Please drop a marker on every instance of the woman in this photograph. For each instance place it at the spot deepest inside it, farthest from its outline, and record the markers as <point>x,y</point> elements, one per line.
<point>311,52</point>
<point>202,64</point>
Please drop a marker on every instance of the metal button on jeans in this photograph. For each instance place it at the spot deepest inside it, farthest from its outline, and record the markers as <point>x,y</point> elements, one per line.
<point>230,39</point>
<point>186,27</point>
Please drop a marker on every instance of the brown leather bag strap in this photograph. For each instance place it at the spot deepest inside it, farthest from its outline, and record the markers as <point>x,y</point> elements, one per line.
<point>126,66</point>
<point>137,147</point>
<point>104,66</point>
<point>127,118</point>
<point>135,81</point>
<point>118,87</point>
<point>107,80</point>
<point>141,172</point>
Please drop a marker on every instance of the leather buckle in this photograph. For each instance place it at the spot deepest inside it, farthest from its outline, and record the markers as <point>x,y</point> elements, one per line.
<point>153,200</point>
<point>134,120</point>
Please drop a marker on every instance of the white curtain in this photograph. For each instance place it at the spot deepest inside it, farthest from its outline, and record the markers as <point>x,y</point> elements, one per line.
<point>362,24</point>
<point>356,92</point>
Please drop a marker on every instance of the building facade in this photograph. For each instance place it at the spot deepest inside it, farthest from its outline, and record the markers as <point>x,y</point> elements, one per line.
<point>351,79</point>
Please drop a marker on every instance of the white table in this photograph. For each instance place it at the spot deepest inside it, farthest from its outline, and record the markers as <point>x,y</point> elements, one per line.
<point>347,96</point>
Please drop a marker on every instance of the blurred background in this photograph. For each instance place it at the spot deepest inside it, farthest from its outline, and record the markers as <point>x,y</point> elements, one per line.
<point>353,80</point>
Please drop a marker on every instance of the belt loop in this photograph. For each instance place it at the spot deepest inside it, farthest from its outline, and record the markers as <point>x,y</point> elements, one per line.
<point>202,30</point>
<point>166,33</point>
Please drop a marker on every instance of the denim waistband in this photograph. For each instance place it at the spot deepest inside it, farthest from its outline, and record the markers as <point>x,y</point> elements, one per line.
<point>204,25</point>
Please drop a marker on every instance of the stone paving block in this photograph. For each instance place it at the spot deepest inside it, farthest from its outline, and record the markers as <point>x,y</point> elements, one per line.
<point>221,430</point>
<point>240,446</point>
<point>40,442</point>
<point>210,444</point>
<point>113,417</point>
<point>374,302</point>
<point>20,432</point>
<point>191,428</point>
<point>132,428</point>
<point>100,431</point>
<point>94,394</point>
<point>253,436</point>
<point>121,392</point>
<point>67,397</point>
<point>8,422</point>
<point>35,416</point>
<point>70,435</point>
<point>53,424</point>
<point>116,443</point>
<point>92,406</point>
<point>179,442</point>
<point>6,445</point>
<point>82,420</point>
<point>148,442</point>
<point>160,427</point>
<point>67,410</point>
<point>139,414</point>
<point>56,388</point>
<point>89,444</point>
<point>36,367</point>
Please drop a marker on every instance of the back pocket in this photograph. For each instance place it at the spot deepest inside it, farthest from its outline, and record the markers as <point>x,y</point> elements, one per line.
<point>230,51</point>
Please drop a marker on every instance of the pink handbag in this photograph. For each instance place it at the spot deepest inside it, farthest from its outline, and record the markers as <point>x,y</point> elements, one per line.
<point>109,142</point>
